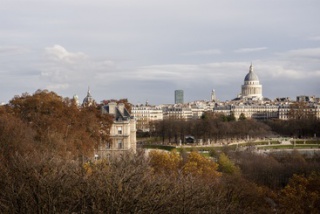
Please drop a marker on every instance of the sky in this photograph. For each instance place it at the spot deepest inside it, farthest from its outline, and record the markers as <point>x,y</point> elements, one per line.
<point>143,50</point>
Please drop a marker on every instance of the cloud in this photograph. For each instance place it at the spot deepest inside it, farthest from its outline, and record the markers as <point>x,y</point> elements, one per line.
<point>12,50</point>
<point>250,50</point>
<point>55,87</point>
<point>314,38</point>
<point>221,73</point>
<point>61,68</point>
<point>302,53</point>
<point>59,53</point>
<point>132,46</point>
<point>202,52</point>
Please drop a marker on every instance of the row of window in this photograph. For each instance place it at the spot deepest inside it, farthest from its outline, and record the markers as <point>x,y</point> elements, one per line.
<point>118,146</point>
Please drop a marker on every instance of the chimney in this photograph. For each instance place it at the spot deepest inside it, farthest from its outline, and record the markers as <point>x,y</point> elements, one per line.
<point>112,108</point>
<point>121,108</point>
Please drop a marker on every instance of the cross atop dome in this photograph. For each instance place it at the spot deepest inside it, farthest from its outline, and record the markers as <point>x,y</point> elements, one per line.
<point>88,100</point>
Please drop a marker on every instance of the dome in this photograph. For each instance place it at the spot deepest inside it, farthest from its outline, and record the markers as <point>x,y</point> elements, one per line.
<point>251,76</point>
<point>88,100</point>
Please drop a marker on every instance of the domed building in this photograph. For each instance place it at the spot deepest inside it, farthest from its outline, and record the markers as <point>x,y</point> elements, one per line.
<point>251,89</point>
<point>88,100</point>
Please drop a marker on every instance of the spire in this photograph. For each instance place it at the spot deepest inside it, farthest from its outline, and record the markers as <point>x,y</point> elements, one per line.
<point>88,93</point>
<point>88,100</point>
<point>251,68</point>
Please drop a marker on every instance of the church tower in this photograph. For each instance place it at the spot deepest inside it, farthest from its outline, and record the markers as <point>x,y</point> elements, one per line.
<point>251,89</point>
<point>88,100</point>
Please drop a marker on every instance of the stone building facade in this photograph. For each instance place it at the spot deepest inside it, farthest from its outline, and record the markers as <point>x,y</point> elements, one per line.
<point>251,89</point>
<point>144,114</point>
<point>122,132</point>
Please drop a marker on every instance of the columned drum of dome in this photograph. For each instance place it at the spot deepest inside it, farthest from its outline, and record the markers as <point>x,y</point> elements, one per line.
<point>251,89</point>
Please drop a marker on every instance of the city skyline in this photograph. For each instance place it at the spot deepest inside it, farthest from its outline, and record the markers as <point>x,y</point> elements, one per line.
<point>145,50</point>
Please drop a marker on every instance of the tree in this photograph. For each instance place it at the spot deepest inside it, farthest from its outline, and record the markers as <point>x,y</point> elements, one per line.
<point>164,162</point>
<point>301,195</point>
<point>226,165</point>
<point>242,117</point>
<point>60,125</point>
<point>198,165</point>
<point>16,137</point>
<point>301,110</point>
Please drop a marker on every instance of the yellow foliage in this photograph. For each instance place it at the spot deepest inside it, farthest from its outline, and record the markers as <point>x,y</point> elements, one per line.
<point>88,168</point>
<point>171,162</point>
<point>197,164</point>
<point>162,161</point>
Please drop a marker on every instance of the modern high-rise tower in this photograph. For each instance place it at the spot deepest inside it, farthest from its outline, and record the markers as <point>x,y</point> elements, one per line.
<point>213,96</point>
<point>178,96</point>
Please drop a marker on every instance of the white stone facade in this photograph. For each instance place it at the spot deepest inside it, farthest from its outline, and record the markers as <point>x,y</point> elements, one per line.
<point>145,114</point>
<point>265,111</point>
<point>122,132</point>
<point>251,89</point>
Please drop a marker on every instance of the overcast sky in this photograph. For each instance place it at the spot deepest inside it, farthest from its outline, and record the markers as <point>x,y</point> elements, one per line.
<point>145,49</point>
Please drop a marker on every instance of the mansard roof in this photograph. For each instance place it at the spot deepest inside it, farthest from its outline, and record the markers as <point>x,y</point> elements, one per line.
<point>118,116</point>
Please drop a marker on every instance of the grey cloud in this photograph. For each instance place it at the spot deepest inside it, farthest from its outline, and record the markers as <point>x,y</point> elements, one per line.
<point>158,45</point>
<point>12,50</point>
<point>62,68</point>
<point>314,38</point>
<point>249,50</point>
<point>203,52</point>
<point>303,53</point>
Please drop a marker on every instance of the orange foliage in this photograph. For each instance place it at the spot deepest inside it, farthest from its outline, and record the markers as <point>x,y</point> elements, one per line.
<point>199,165</point>
<point>302,194</point>
<point>167,162</point>
<point>172,163</point>
<point>59,124</point>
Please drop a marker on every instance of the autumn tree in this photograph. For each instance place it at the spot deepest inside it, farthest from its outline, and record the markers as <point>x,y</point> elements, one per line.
<point>198,165</point>
<point>301,195</point>
<point>165,162</point>
<point>59,124</point>
<point>16,137</point>
<point>226,165</point>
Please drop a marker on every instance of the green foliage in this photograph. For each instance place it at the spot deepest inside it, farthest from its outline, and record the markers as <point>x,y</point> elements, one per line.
<point>242,117</point>
<point>212,152</point>
<point>161,147</point>
<point>226,165</point>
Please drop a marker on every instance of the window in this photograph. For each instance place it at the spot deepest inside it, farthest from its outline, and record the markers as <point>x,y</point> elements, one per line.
<point>119,130</point>
<point>120,144</point>
<point>108,145</point>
